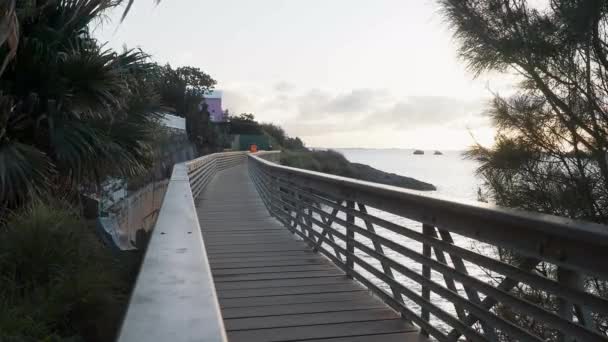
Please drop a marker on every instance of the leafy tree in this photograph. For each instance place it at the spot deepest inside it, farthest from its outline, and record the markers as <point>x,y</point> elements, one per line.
<point>277,133</point>
<point>182,89</point>
<point>552,135</point>
<point>550,154</point>
<point>245,123</point>
<point>71,111</point>
<point>294,144</point>
<point>208,137</point>
<point>14,11</point>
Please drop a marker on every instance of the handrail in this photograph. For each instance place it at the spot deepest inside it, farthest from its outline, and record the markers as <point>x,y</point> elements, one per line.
<point>174,298</point>
<point>339,217</point>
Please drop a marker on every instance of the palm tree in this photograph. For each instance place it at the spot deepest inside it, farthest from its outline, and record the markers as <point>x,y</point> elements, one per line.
<point>71,111</point>
<point>9,20</point>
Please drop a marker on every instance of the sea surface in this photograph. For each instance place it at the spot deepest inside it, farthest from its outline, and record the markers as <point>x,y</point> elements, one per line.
<point>452,174</point>
<point>454,178</point>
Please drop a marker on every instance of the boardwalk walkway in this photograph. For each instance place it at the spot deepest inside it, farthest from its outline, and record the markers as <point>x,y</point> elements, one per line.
<point>272,287</point>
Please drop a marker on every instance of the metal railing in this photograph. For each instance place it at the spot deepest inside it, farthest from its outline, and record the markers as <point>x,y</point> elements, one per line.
<point>385,238</point>
<point>174,298</point>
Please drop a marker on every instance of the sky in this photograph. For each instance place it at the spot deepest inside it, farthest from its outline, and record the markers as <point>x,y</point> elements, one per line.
<point>337,73</point>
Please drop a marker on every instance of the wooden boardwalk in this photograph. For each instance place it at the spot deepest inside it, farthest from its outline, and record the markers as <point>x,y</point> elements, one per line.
<point>272,287</point>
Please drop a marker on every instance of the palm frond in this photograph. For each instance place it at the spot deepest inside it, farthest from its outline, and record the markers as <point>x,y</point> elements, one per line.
<point>24,171</point>
<point>128,8</point>
<point>9,31</point>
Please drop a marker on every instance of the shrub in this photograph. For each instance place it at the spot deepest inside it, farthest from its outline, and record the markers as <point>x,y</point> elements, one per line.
<point>57,280</point>
<point>321,161</point>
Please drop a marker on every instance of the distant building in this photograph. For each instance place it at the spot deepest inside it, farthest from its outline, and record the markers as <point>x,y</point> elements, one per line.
<point>214,106</point>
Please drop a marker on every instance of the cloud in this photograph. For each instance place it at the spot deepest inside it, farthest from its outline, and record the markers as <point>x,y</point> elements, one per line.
<point>284,87</point>
<point>318,112</point>
<point>237,101</point>
<point>321,104</point>
<point>422,111</point>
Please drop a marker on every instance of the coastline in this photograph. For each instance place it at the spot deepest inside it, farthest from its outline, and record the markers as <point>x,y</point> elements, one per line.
<point>335,163</point>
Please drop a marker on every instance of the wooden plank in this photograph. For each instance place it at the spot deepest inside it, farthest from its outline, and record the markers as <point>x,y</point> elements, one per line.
<point>277,276</point>
<point>282,247</point>
<point>247,224</point>
<point>227,253</point>
<point>236,232</point>
<point>309,319</point>
<point>287,291</point>
<point>288,309</point>
<point>272,269</point>
<point>239,229</point>
<point>399,337</point>
<point>227,236</point>
<point>246,233</point>
<point>293,299</point>
<point>240,263</point>
<point>276,260</point>
<point>256,284</point>
<point>247,241</point>
<point>321,331</point>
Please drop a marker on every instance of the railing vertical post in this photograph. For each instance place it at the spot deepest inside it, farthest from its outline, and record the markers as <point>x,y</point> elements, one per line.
<point>273,187</point>
<point>350,237</point>
<point>426,272</point>
<point>567,309</point>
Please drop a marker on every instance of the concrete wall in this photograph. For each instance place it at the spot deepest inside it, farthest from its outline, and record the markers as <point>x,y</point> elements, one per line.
<point>125,215</point>
<point>134,216</point>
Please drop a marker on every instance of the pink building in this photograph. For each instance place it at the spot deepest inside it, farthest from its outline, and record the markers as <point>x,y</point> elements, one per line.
<point>214,106</point>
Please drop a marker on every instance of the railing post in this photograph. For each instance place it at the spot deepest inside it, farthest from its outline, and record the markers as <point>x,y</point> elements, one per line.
<point>426,272</point>
<point>567,309</point>
<point>350,237</point>
<point>268,180</point>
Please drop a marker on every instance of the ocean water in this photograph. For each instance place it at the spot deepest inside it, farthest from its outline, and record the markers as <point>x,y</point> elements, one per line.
<point>454,178</point>
<point>453,175</point>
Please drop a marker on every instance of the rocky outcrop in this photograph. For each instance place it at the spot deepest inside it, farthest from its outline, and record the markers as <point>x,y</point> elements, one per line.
<point>335,163</point>
<point>368,173</point>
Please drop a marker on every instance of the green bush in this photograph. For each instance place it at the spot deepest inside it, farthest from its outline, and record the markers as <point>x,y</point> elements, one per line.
<point>58,282</point>
<point>329,161</point>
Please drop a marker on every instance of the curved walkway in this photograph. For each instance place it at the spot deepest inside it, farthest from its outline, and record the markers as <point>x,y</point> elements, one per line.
<point>272,287</point>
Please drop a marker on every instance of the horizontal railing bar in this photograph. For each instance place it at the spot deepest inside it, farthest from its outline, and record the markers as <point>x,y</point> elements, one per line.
<point>504,297</point>
<point>175,251</point>
<point>406,312</point>
<point>410,294</point>
<point>203,170</point>
<point>161,308</point>
<point>444,292</point>
<point>572,244</point>
<point>597,303</point>
<point>440,313</point>
<point>201,183</point>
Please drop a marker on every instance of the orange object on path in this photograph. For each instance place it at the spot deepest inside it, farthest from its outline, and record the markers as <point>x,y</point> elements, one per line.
<point>253,148</point>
